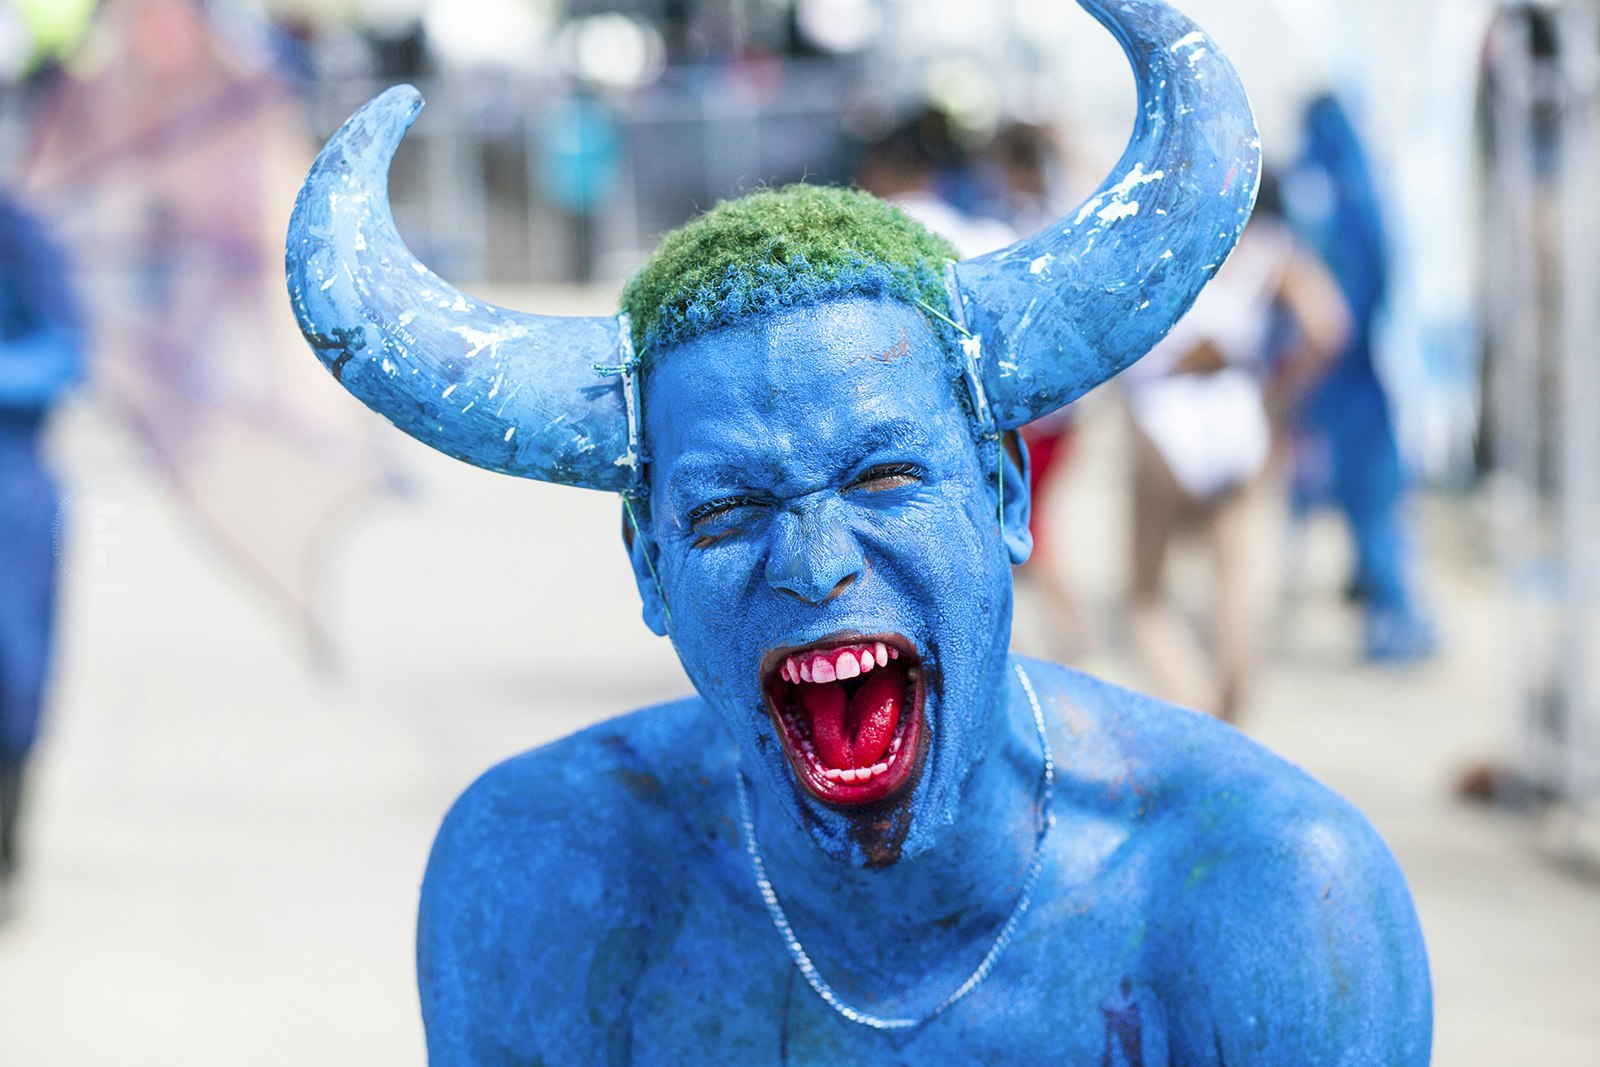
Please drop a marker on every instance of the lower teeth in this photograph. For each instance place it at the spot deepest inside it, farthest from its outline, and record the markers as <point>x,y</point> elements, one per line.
<point>860,774</point>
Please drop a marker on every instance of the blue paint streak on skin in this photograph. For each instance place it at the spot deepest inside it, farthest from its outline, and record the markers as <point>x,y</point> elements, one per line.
<point>500,389</point>
<point>1066,309</point>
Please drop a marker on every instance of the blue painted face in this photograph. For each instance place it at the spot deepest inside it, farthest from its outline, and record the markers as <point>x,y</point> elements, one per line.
<point>825,531</point>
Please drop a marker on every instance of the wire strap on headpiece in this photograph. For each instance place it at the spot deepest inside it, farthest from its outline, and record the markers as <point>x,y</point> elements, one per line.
<point>972,359</point>
<point>628,371</point>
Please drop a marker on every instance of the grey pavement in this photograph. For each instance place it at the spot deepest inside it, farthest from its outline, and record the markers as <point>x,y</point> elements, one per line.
<point>227,844</point>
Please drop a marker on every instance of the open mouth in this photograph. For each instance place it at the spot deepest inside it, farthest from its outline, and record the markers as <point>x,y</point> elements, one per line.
<point>849,711</point>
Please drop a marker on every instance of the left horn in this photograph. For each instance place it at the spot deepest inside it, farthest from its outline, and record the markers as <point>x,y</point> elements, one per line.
<point>532,395</point>
<point>1062,311</point>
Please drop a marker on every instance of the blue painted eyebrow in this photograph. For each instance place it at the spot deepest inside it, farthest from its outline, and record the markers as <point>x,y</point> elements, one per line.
<point>732,473</point>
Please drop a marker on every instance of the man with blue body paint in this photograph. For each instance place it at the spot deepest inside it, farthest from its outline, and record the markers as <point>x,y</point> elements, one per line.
<point>873,832</point>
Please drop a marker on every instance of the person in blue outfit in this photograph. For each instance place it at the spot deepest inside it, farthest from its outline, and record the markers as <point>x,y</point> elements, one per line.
<point>873,832</point>
<point>40,359</point>
<point>1347,423</point>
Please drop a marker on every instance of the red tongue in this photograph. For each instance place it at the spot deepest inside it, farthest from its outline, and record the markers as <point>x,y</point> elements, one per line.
<point>825,705</point>
<point>857,735</point>
<point>876,712</point>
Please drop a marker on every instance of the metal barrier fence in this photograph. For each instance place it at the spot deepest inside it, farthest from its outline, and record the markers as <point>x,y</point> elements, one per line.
<point>472,183</point>
<point>1543,316</point>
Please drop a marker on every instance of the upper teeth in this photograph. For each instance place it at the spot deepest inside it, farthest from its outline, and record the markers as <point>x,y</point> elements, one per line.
<point>836,664</point>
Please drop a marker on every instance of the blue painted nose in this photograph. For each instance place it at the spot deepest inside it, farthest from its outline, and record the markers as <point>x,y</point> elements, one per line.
<point>813,556</point>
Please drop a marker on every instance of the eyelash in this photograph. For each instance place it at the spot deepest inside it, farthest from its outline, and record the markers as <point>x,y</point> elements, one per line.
<point>888,470</point>
<point>715,507</point>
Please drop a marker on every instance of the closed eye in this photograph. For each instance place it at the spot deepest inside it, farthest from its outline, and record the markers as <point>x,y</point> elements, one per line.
<point>886,476</point>
<point>721,506</point>
<point>704,517</point>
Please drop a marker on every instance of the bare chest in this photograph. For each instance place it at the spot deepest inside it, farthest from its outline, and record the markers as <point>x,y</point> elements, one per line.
<point>1076,986</point>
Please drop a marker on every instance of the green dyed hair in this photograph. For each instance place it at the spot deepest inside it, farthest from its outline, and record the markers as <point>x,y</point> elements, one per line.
<point>781,248</point>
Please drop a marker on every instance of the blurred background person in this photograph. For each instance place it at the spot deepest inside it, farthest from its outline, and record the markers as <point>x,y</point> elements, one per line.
<point>1202,406</point>
<point>920,168</point>
<point>41,341</point>
<point>1030,167</point>
<point>170,154</point>
<point>1347,451</point>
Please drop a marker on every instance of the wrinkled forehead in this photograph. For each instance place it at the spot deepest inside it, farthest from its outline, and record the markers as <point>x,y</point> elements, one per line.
<point>804,382</point>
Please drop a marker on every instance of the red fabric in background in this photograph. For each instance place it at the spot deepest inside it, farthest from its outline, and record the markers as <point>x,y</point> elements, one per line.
<point>1047,447</point>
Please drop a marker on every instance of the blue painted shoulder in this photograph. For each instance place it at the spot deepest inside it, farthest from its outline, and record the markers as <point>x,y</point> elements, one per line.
<point>1127,743</point>
<point>545,890</point>
<point>1274,901</point>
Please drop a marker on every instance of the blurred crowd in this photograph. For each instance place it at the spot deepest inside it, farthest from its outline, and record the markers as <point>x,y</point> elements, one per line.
<point>158,144</point>
<point>1271,374</point>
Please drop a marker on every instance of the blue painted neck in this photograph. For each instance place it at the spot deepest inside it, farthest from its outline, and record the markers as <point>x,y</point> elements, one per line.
<point>910,931</point>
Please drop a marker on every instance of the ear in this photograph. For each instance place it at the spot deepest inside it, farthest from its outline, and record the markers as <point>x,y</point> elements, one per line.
<point>1016,504</point>
<point>642,555</point>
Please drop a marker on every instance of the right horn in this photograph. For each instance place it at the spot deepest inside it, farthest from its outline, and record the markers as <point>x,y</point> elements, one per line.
<point>1064,310</point>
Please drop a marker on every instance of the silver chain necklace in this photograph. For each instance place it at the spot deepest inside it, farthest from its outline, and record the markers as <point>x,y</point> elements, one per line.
<point>808,970</point>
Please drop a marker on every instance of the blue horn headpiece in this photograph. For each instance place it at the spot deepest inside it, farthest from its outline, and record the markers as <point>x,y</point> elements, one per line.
<point>549,397</point>
<point>539,396</point>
